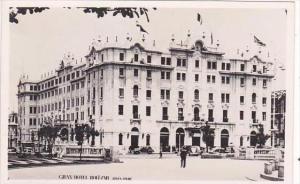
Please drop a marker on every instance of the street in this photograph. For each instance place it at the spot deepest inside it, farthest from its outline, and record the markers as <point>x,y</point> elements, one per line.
<point>151,169</point>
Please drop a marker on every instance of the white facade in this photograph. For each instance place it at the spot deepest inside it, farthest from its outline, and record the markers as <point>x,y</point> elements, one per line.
<point>189,85</point>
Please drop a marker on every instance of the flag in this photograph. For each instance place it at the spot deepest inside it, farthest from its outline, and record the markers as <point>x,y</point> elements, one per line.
<point>141,28</point>
<point>211,39</point>
<point>199,19</point>
<point>259,42</point>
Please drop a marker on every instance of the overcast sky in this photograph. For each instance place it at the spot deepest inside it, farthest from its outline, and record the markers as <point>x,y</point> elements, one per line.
<point>39,41</point>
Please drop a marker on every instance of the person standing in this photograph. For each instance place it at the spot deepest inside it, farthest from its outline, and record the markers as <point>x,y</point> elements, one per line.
<point>183,154</point>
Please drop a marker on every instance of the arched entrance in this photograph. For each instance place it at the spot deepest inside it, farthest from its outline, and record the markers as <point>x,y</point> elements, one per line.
<point>64,134</point>
<point>134,137</point>
<point>253,138</point>
<point>179,137</point>
<point>224,138</point>
<point>164,139</point>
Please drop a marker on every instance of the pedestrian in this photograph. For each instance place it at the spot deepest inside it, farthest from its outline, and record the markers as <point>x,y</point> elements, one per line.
<point>183,154</point>
<point>160,154</point>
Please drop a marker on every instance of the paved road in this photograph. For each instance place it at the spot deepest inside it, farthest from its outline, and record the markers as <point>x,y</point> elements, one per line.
<point>152,169</point>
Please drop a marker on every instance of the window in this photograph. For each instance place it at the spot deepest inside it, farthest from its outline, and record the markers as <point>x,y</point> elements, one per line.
<point>254,68</point>
<point>168,94</point>
<point>254,81</point>
<point>242,82</point>
<point>149,74</point>
<point>121,92</point>
<point>210,115</point>
<point>168,75</point>
<point>196,63</point>
<point>225,116</point>
<point>225,80</point>
<point>162,75</point>
<point>165,113</point>
<point>196,94</point>
<point>135,91</point>
<point>253,116</point>
<point>148,94</point>
<point>183,62</point>
<point>120,110</point>
<point>121,56</point>
<point>196,77</point>
<point>242,67</point>
<point>180,94</point>
<point>242,100</point>
<point>241,115</point>
<point>183,76</point>
<point>264,101</point>
<point>165,94</point>
<point>223,66</point>
<point>180,114</point>
<point>227,66</point>
<point>94,93</point>
<point>101,92</point>
<point>120,139</point>
<point>168,61</point>
<point>163,60</point>
<point>148,111</point>
<point>253,98</point>
<point>135,111</point>
<point>264,83</point>
<point>136,57</point>
<point>210,97</point>
<point>225,98</point>
<point>264,116</point>
<point>149,58</point>
<point>178,76</point>
<point>178,62</point>
<point>136,72</point>
<point>212,65</point>
<point>101,73</point>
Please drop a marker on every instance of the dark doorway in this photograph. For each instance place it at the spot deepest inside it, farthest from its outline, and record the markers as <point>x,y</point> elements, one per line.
<point>164,140</point>
<point>224,138</point>
<point>134,137</point>
<point>253,138</point>
<point>179,137</point>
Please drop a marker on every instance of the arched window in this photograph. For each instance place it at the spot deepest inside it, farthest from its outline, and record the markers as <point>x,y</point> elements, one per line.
<point>196,94</point>
<point>135,91</point>
<point>179,137</point>
<point>253,98</point>
<point>120,139</point>
<point>196,114</point>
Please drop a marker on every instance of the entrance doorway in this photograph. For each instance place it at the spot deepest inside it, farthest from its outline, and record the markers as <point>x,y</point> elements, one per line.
<point>224,138</point>
<point>134,137</point>
<point>253,138</point>
<point>179,138</point>
<point>164,140</point>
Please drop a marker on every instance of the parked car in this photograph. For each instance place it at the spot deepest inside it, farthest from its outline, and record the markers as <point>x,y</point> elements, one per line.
<point>146,149</point>
<point>195,151</point>
<point>136,150</point>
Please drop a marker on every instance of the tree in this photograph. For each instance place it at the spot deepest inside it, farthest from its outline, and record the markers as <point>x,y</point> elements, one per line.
<point>129,12</point>
<point>261,136</point>
<point>49,133</point>
<point>207,135</point>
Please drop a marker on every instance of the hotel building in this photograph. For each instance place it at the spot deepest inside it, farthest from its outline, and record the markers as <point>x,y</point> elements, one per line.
<point>135,94</point>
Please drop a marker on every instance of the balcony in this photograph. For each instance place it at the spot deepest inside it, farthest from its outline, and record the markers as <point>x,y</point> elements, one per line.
<point>210,119</point>
<point>135,119</point>
<point>165,117</point>
<point>210,101</point>
<point>121,76</point>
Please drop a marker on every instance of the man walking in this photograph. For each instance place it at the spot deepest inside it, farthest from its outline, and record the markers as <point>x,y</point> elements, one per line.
<point>183,154</point>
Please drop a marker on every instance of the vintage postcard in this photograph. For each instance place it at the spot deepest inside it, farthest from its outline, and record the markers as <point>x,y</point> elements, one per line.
<point>131,92</point>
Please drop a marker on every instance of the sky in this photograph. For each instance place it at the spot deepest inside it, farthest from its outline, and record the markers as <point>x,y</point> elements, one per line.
<point>39,41</point>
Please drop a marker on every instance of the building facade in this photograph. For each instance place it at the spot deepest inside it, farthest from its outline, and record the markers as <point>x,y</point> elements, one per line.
<point>135,94</point>
<point>13,130</point>
<point>278,111</point>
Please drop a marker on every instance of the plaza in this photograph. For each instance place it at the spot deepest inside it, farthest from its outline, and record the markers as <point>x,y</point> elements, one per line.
<point>141,168</point>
